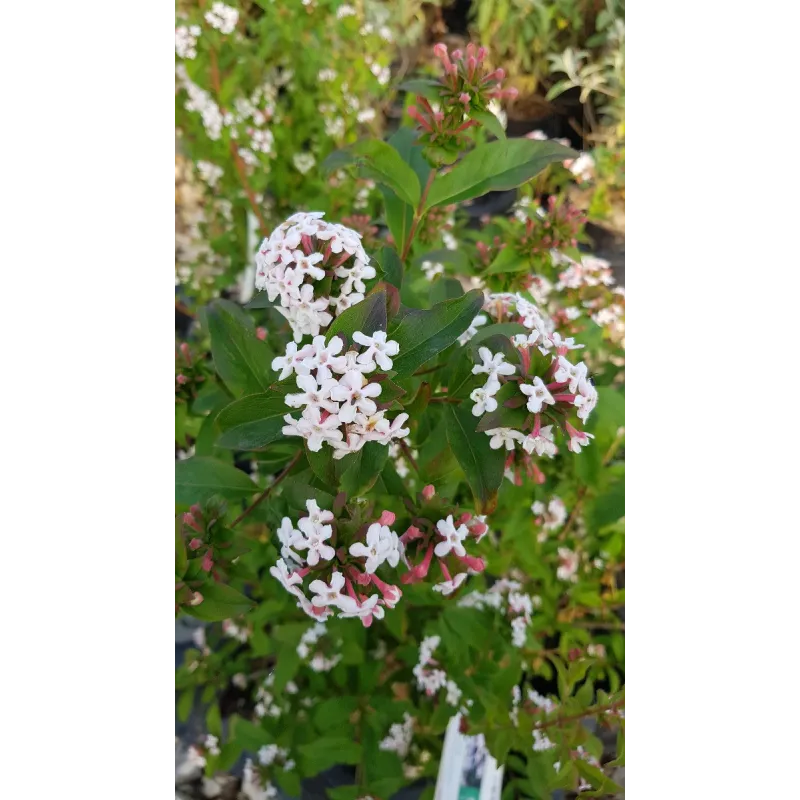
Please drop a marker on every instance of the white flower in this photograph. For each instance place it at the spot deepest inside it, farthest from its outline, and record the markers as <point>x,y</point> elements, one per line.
<point>185,40</point>
<point>453,538</point>
<point>582,167</point>
<point>568,564</point>
<point>504,437</point>
<point>369,608</point>
<point>314,395</point>
<point>317,515</point>
<point>326,74</point>
<point>289,580</point>
<point>493,364</point>
<point>325,358</point>
<point>579,439</point>
<point>484,400</point>
<point>448,587</point>
<point>209,172</point>
<point>355,275</point>
<point>212,745</point>
<point>537,393</point>
<point>303,162</point>
<point>432,269</point>
<point>453,693</point>
<point>331,594</point>
<point>540,741</point>
<point>481,319</point>
<point>378,349</point>
<point>586,399</point>
<point>355,394</point>
<point>377,549</point>
<point>554,514</point>
<point>519,631</point>
<point>345,11</point>
<point>367,115</point>
<point>222,17</point>
<point>312,538</point>
<point>286,535</point>
<point>399,738</point>
<point>573,374</point>
<point>543,444</point>
<point>292,361</point>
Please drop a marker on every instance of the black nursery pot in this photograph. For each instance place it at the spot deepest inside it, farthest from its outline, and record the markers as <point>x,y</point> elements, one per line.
<point>345,775</point>
<point>491,203</point>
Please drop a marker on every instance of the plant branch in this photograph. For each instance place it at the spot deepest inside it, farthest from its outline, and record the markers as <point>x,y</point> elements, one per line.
<point>407,453</point>
<point>266,493</point>
<point>574,717</point>
<point>418,214</point>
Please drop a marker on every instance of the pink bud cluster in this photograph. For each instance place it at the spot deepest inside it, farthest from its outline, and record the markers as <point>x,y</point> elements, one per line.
<point>466,87</point>
<point>558,227</point>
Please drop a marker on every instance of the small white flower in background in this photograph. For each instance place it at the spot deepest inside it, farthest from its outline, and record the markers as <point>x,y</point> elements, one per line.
<point>239,680</point>
<point>450,241</point>
<point>209,173</point>
<point>185,40</point>
<point>453,538</point>
<point>345,11</point>
<point>202,102</point>
<point>448,587</point>
<point>212,745</point>
<point>537,394</point>
<point>582,167</point>
<point>383,74</point>
<point>496,109</point>
<point>554,514</point>
<point>579,439</point>
<point>541,742</point>
<point>194,757</point>
<point>399,737</point>
<point>222,17</point>
<point>586,399</point>
<point>504,437</point>
<point>432,269</point>
<point>335,128</point>
<point>262,141</point>
<point>326,74</point>
<point>453,693</point>
<point>568,564</point>
<point>484,399</point>
<point>481,319</point>
<point>367,115</point>
<point>303,162</point>
<point>519,631</point>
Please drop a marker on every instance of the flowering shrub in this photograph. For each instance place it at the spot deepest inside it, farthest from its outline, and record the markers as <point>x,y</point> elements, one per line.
<point>404,498</point>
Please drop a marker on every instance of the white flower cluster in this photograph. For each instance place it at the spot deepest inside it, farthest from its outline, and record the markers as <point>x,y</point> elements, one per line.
<point>231,629</point>
<point>506,595</point>
<point>337,398</point>
<point>266,705</point>
<point>270,753</point>
<point>185,40</point>
<point>345,11</point>
<point>305,249</point>
<point>252,787</point>
<point>400,463</point>
<point>210,173</point>
<point>399,737</point>
<point>568,564</point>
<point>381,545</point>
<point>222,17</point>
<point>590,271</point>
<point>550,516</point>
<point>430,678</point>
<point>201,101</point>
<point>432,269</point>
<point>212,745</point>
<point>319,661</point>
<point>303,162</point>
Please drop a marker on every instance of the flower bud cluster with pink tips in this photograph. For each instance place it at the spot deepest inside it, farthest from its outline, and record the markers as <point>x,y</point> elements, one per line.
<point>467,87</point>
<point>556,226</point>
<point>345,576</point>
<point>305,250</point>
<point>338,400</point>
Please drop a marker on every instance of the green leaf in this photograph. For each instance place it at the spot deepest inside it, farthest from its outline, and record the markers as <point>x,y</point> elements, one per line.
<point>507,329</point>
<point>185,704</point>
<point>381,162</point>
<point>422,333</point>
<point>391,266</point>
<point>240,357</point>
<point>445,289</point>
<point>367,316</point>
<point>508,260</point>
<point>297,492</point>
<point>482,466</point>
<point>427,87</point>
<point>343,792</point>
<point>249,736</point>
<point>181,558</point>
<point>334,713</point>
<point>490,122</point>
<point>197,479</point>
<point>494,167</point>
<point>323,753</point>
<point>219,602</point>
<point>364,468</point>
<point>252,422</point>
<point>322,464</point>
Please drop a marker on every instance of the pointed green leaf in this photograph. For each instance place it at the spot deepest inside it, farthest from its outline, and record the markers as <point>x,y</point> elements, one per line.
<point>252,422</point>
<point>493,167</point>
<point>197,479</point>
<point>367,316</point>
<point>381,162</point>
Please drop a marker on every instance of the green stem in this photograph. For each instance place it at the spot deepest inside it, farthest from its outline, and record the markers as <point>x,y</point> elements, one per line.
<point>418,214</point>
<point>265,494</point>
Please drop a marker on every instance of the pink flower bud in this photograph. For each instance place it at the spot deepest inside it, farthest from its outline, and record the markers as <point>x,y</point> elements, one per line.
<point>208,562</point>
<point>500,73</point>
<point>184,348</point>
<point>188,519</point>
<point>473,562</point>
<point>181,379</point>
<point>195,544</point>
<point>464,98</point>
<point>481,53</point>
<point>479,528</point>
<point>465,517</point>
<point>197,598</point>
<point>428,492</point>
<point>261,333</point>
<point>457,55</point>
<point>440,50</point>
<point>387,518</point>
